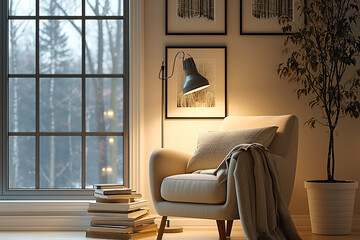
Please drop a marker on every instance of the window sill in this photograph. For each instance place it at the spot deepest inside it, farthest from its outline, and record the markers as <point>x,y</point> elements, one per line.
<point>44,207</point>
<point>44,214</point>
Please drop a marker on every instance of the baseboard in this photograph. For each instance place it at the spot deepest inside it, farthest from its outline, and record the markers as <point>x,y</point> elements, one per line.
<point>44,215</point>
<point>302,222</point>
<point>81,223</point>
<point>71,216</point>
<point>44,208</point>
<point>44,223</point>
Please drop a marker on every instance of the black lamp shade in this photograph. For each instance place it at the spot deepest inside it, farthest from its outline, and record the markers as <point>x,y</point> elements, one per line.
<point>193,79</point>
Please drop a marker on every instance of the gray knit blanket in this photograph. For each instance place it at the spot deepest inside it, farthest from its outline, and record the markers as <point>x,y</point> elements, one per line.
<point>262,210</point>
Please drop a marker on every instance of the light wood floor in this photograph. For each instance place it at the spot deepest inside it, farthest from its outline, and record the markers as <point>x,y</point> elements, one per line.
<point>188,234</point>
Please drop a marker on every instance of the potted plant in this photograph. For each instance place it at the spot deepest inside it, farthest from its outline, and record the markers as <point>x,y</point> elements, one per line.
<point>325,50</point>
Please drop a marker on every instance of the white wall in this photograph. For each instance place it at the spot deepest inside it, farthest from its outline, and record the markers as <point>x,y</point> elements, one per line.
<point>253,89</point>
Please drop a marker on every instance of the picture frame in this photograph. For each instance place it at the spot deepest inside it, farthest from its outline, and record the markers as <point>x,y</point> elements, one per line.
<point>203,17</point>
<point>257,19</point>
<point>209,103</point>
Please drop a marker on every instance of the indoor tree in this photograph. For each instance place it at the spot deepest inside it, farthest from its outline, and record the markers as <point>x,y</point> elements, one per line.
<point>323,63</point>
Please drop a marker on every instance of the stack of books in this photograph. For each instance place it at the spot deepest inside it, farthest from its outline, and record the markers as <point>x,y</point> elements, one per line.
<point>119,213</point>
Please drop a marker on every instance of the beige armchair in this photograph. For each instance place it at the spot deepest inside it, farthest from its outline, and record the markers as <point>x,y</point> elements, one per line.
<point>199,195</point>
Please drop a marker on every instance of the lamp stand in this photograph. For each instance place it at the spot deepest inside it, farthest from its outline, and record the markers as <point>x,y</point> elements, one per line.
<point>193,82</point>
<point>168,228</point>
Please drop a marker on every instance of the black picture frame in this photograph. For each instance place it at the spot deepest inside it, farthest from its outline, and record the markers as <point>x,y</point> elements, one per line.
<point>244,13</point>
<point>220,77</point>
<point>193,29</point>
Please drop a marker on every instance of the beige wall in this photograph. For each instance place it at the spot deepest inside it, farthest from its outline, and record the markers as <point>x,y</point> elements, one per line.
<point>253,89</point>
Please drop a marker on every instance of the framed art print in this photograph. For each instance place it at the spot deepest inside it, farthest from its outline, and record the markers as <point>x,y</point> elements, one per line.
<point>260,17</point>
<point>207,103</point>
<point>200,17</point>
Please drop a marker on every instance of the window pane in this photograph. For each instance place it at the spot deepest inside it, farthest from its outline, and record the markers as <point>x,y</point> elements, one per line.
<point>21,162</point>
<point>60,8</point>
<point>104,8</point>
<point>104,52</point>
<point>50,108</point>
<point>104,105</point>
<point>60,162</point>
<point>60,46</point>
<point>21,105</point>
<point>21,46</point>
<point>60,104</point>
<point>22,7</point>
<point>104,160</point>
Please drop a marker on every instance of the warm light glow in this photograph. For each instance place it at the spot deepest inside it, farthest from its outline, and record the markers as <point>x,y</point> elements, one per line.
<point>196,89</point>
<point>110,113</point>
<point>106,170</point>
<point>105,114</point>
<point>111,140</point>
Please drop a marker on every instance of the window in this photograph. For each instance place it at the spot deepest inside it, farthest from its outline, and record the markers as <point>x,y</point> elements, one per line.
<point>64,68</point>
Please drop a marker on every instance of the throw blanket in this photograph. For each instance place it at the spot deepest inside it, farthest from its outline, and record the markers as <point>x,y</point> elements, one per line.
<point>262,210</point>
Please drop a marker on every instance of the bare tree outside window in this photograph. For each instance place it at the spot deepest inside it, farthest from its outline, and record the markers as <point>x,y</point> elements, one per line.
<point>105,57</point>
<point>21,105</point>
<point>266,9</point>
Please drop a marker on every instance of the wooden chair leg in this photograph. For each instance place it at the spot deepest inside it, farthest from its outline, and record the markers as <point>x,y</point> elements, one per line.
<point>221,229</point>
<point>161,228</point>
<point>229,224</point>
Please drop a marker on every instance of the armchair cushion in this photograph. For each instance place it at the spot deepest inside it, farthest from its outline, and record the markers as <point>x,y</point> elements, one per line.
<point>193,188</point>
<point>213,147</point>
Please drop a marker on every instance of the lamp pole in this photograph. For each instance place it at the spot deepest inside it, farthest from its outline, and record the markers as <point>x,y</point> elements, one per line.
<point>162,103</point>
<point>193,82</point>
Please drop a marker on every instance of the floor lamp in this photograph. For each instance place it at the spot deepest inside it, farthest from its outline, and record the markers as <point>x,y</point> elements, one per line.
<point>193,82</point>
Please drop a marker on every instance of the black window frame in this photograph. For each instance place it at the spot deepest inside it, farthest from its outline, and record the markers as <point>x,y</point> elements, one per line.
<point>57,194</point>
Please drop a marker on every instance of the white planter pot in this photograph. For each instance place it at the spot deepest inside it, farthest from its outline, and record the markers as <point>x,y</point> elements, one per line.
<point>331,206</point>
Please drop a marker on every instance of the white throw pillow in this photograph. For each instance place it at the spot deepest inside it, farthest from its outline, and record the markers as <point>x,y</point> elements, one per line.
<point>213,147</point>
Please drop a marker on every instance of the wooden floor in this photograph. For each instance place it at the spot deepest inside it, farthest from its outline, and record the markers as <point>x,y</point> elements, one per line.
<point>188,234</point>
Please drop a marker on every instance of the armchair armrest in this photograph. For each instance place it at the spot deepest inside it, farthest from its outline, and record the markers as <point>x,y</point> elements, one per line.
<point>164,163</point>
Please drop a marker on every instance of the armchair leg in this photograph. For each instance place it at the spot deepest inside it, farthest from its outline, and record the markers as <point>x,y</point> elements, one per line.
<point>161,228</point>
<point>221,229</point>
<point>229,224</point>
